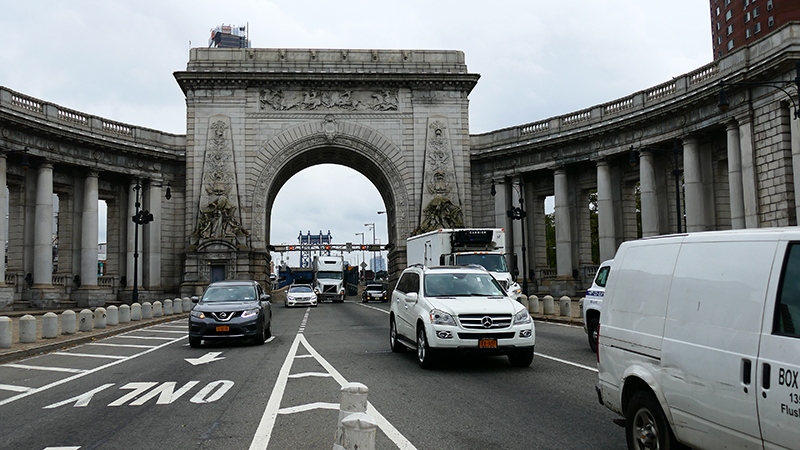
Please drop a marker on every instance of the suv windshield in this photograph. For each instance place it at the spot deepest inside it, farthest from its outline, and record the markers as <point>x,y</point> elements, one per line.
<point>461,285</point>
<point>490,262</point>
<point>229,294</point>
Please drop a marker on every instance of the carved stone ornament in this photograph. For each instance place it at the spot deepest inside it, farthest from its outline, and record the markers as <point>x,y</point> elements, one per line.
<point>441,205</point>
<point>328,100</point>
<point>329,128</point>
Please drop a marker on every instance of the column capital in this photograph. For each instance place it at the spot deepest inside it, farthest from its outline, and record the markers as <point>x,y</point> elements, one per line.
<point>730,124</point>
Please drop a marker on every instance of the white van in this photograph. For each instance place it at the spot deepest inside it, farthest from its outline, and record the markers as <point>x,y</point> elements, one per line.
<point>700,340</point>
<point>593,301</point>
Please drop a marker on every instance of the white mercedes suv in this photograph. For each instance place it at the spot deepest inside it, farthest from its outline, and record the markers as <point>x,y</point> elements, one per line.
<point>458,308</point>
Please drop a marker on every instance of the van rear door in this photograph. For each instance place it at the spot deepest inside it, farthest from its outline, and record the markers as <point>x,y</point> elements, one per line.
<point>779,355</point>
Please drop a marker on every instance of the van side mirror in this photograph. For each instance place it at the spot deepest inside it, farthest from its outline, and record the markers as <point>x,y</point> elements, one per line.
<point>195,299</point>
<point>265,297</point>
<point>412,297</point>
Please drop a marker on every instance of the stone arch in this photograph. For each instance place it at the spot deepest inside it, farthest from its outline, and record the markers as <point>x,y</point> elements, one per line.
<point>330,140</point>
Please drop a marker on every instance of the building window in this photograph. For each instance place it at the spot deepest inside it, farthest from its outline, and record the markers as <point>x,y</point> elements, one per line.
<point>769,5</point>
<point>730,30</point>
<point>748,33</point>
<point>756,12</point>
<point>718,26</point>
<point>727,2</point>
<point>719,40</point>
<point>757,28</point>
<point>771,21</point>
<point>717,11</point>
<point>730,45</point>
<point>746,2</point>
<point>728,15</point>
<point>747,17</point>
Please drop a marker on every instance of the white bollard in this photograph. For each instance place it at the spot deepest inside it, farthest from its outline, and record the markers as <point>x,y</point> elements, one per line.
<point>187,304</point>
<point>112,316</point>
<point>85,320</point>
<point>566,306</point>
<point>158,309</point>
<point>50,326</point>
<point>533,304</point>
<point>353,400</point>
<point>100,318</point>
<point>136,311</point>
<point>580,307</point>
<point>147,310</point>
<point>124,314</point>
<point>69,324</point>
<point>5,332</point>
<point>167,307</point>
<point>359,432</point>
<point>524,300</point>
<point>27,329</point>
<point>548,306</point>
<point>177,306</point>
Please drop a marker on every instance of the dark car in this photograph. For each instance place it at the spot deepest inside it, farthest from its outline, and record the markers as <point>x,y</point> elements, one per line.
<point>374,291</point>
<point>231,310</point>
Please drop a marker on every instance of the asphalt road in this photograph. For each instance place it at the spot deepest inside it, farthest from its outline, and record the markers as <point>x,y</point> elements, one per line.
<point>148,389</point>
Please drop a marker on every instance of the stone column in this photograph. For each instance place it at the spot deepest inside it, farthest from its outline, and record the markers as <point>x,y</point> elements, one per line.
<point>89,225</point>
<point>735,175</point>
<point>647,184</point>
<point>563,224</point>
<point>794,129</point>
<point>749,190</point>
<point>693,182</point>
<point>516,231</point>
<point>152,233</point>
<point>605,212</point>
<point>43,228</point>
<point>3,214</point>
<point>132,229</point>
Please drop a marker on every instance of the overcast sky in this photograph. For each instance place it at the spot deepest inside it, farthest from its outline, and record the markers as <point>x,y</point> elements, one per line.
<point>536,58</point>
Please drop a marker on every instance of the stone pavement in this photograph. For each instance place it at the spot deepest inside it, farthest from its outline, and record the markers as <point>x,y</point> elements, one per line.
<point>19,350</point>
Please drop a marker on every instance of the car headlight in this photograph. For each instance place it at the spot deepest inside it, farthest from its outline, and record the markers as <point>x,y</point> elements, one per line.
<point>250,313</point>
<point>522,317</point>
<point>198,314</point>
<point>290,297</point>
<point>441,318</point>
<point>515,291</point>
<point>313,297</point>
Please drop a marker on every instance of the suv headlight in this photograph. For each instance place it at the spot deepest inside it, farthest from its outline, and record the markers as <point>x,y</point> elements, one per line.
<point>441,318</point>
<point>198,314</point>
<point>250,313</point>
<point>522,317</point>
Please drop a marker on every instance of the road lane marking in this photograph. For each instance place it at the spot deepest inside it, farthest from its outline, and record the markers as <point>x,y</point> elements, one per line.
<point>167,331</point>
<point>309,407</point>
<point>373,307</point>
<point>11,387</point>
<point>564,361</point>
<point>88,372</point>
<point>82,400</point>
<point>266,425</point>
<point>106,344</point>
<point>153,338</point>
<point>89,355</point>
<point>309,374</point>
<point>46,368</point>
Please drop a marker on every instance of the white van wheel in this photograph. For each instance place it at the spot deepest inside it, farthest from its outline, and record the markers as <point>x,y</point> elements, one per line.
<point>646,426</point>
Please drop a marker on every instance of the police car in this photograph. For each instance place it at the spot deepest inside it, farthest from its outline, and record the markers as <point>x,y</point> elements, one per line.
<point>594,301</point>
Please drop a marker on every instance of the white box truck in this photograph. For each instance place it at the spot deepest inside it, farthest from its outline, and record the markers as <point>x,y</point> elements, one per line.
<point>454,247</point>
<point>328,278</point>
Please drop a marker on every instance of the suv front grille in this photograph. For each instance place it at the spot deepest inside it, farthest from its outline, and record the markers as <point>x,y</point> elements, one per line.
<point>485,321</point>
<point>224,316</point>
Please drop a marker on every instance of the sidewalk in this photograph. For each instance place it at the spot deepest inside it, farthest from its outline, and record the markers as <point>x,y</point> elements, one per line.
<point>19,350</point>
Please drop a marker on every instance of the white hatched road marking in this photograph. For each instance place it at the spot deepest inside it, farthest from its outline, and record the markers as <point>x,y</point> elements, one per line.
<point>46,368</point>
<point>11,387</point>
<point>309,374</point>
<point>106,344</point>
<point>153,338</point>
<point>89,355</point>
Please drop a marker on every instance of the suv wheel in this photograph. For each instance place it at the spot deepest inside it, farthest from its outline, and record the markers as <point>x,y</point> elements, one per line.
<point>194,342</point>
<point>396,346</point>
<point>424,352</point>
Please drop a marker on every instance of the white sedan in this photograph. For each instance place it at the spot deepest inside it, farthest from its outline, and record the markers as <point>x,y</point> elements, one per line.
<point>299,295</point>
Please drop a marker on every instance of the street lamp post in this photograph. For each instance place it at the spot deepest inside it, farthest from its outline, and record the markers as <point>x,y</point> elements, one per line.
<point>518,213</point>
<point>362,248</point>
<point>372,225</point>
<point>723,104</point>
<point>141,217</point>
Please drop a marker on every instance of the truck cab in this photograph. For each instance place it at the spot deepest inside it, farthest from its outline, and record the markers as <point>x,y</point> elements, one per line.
<point>329,278</point>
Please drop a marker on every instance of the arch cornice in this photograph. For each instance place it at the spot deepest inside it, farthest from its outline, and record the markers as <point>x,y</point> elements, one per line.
<point>365,142</point>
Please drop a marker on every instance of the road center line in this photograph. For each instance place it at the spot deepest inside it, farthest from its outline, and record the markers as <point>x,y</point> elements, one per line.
<point>373,307</point>
<point>564,361</point>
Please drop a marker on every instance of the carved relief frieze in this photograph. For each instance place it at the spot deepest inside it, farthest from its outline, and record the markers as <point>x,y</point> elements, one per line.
<point>441,205</point>
<point>327,100</point>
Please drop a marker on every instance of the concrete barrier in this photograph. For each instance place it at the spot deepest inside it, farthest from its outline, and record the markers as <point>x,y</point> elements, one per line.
<point>353,399</point>
<point>167,307</point>
<point>5,332</point>
<point>147,310</point>
<point>69,323</point>
<point>533,304</point>
<point>158,309</point>
<point>112,316</point>
<point>524,300</point>
<point>566,306</point>
<point>124,314</point>
<point>100,318</point>
<point>85,320</point>
<point>186,304</point>
<point>548,306</point>
<point>359,432</point>
<point>136,312</point>
<point>27,329</point>
<point>50,326</point>
<point>177,306</point>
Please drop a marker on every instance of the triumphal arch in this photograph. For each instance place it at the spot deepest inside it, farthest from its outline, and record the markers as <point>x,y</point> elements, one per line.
<point>256,117</point>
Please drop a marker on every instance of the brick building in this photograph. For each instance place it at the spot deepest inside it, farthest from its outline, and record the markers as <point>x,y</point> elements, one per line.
<point>736,23</point>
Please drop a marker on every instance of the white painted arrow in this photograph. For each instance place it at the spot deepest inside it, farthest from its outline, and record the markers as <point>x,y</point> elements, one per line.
<point>205,359</point>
